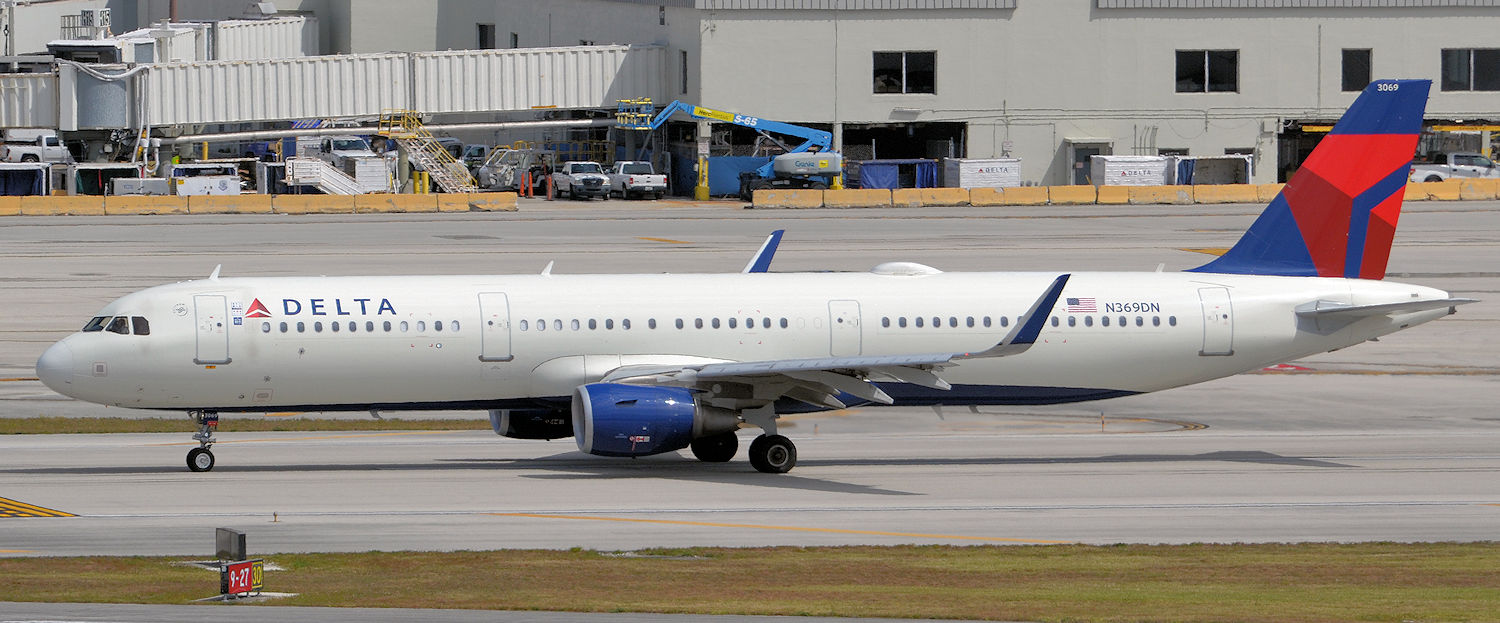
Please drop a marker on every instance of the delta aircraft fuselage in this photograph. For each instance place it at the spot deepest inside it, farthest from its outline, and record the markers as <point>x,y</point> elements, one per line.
<point>634,365</point>
<point>502,342</point>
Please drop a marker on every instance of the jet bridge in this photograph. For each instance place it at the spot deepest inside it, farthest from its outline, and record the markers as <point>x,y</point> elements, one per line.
<point>79,96</point>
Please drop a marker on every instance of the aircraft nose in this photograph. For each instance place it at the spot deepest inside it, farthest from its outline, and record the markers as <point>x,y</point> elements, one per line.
<point>55,367</point>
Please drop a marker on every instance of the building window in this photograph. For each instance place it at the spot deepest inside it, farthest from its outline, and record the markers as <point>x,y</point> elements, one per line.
<point>587,42</point>
<point>515,40</point>
<point>1356,70</point>
<point>486,36</point>
<point>684,77</point>
<point>1208,71</point>
<point>1471,70</point>
<point>905,72</point>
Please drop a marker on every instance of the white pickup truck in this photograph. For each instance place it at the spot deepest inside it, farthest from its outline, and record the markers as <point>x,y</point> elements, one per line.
<point>633,178</point>
<point>580,180</point>
<point>34,146</point>
<point>1456,164</point>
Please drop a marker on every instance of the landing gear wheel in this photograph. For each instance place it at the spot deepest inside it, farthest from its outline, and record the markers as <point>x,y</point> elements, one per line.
<point>716,448</point>
<point>773,454</point>
<point>200,460</point>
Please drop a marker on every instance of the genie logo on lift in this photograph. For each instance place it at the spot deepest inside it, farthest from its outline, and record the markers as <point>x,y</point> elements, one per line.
<point>338,307</point>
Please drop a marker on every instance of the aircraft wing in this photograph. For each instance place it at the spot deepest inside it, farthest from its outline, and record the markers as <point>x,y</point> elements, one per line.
<point>820,380</point>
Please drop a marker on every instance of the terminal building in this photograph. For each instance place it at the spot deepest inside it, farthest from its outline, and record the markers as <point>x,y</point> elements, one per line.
<point>1048,82</point>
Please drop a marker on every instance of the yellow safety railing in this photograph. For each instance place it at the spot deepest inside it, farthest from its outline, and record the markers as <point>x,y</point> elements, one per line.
<point>405,126</point>
<point>634,114</point>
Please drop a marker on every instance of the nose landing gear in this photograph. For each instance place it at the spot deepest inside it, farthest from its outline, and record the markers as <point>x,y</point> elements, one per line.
<point>201,458</point>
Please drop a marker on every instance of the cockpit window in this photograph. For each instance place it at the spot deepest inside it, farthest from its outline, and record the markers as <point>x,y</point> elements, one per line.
<point>141,326</point>
<point>120,324</point>
<point>95,324</point>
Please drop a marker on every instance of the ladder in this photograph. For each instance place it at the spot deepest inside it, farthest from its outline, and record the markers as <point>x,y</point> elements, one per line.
<point>315,172</point>
<point>405,126</point>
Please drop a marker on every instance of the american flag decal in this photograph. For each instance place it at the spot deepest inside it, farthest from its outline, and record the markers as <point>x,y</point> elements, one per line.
<point>1081,306</point>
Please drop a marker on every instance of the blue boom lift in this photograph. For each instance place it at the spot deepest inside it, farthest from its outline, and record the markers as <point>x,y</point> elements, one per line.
<point>808,164</point>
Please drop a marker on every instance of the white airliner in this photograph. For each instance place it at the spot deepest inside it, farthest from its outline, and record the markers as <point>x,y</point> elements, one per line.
<point>634,365</point>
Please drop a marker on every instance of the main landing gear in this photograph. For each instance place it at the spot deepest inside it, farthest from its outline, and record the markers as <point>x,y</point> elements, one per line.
<point>201,458</point>
<point>772,454</point>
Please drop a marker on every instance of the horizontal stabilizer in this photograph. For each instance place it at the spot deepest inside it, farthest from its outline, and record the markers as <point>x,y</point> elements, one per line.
<point>1331,309</point>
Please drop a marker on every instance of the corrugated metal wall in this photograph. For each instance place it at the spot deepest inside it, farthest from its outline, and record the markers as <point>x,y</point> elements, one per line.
<point>28,100</point>
<point>577,77</point>
<point>311,87</point>
<point>433,82</point>
<point>243,40</point>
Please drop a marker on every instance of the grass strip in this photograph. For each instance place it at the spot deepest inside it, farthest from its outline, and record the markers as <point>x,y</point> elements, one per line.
<point>1076,583</point>
<point>227,424</point>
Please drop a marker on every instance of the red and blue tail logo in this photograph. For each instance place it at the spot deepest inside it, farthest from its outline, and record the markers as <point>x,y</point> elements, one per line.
<point>1337,216</point>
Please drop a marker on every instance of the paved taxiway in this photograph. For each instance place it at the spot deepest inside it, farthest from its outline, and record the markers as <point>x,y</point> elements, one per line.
<point>1394,440</point>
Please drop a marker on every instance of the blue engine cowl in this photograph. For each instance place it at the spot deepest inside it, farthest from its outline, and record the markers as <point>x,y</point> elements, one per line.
<point>632,420</point>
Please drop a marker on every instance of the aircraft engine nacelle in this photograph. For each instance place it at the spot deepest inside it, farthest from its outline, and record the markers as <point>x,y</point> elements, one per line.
<point>531,423</point>
<point>631,420</point>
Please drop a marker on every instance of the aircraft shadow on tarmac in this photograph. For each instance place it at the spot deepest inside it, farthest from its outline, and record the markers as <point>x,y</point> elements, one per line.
<point>572,465</point>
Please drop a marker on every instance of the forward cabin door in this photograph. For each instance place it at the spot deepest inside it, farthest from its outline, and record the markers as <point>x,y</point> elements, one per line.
<point>1218,322</point>
<point>212,316</point>
<point>494,315</point>
<point>843,326</point>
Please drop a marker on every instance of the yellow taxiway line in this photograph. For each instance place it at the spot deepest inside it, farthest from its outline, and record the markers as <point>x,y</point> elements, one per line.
<point>666,240</point>
<point>709,524</point>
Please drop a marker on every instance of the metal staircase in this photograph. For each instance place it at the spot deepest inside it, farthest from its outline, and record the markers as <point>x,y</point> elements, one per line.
<point>315,172</point>
<point>405,126</point>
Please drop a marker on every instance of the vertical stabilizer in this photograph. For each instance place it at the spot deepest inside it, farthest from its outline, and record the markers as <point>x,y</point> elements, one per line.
<point>1337,216</point>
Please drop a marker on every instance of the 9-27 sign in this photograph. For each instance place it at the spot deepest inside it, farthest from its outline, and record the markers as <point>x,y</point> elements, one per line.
<point>237,578</point>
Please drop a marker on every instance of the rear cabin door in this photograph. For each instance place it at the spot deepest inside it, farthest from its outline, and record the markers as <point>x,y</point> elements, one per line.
<point>843,325</point>
<point>1218,322</point>
<point>212,315</point>
<point>494,314</point>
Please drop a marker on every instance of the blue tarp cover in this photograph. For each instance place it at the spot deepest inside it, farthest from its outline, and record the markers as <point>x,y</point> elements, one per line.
<point>887,173</point>
<point>23,182</point>
<point>723,173</point>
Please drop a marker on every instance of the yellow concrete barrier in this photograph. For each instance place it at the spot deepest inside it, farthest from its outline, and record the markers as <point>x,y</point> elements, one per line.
<point>1442,191</point>
<point>1478,189</point>
<point>10,206</point>
<point>772,198</point>
<point>388,202</point>
<point>140,204</point>
<point>857,198</point>
<point>452,203</point>
<point>1081,194</point>
<point>1151,195</point>
<point>986,197</point>
<point>312,204</point>
<point>1113,195</point>
<point>229,204</point>
<point>929,197</point>
<point>1415,192</point>
<point>493,202</point>
<point>83,205</point>
<point>1025,196</point>
<point>1266,193</point>
<point>1225,193</point>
